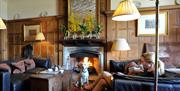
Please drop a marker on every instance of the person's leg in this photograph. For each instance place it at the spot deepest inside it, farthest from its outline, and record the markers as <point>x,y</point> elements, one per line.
<point>101,85</point>
<point>91,86</point>
<point>106,76</point>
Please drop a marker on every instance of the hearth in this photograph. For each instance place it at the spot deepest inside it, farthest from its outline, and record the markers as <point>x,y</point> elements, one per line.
<point>73,55</point>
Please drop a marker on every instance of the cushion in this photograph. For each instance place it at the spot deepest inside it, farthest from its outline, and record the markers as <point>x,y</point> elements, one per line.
<point>29,64</point>
<point>44,63</point>
<point>5,67</point>
<point>18,67</point>
<point>119,66</point>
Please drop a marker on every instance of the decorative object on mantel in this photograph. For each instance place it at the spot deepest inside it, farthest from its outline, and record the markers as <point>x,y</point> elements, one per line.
<point>43,14</point>
<point>16,16</point>
<point>96,32</point>
<point>88,29</point>
<point>2,25</point>
<point>84,30</point>
<point>65,31</point>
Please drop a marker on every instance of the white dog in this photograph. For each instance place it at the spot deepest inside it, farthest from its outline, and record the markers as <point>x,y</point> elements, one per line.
<point>84,74</point>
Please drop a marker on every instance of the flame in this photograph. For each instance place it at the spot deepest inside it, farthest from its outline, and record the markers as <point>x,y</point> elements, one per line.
<point>86,61</point>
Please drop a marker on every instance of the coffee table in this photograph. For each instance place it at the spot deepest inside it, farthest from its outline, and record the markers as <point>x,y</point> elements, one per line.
<point>51,82</point>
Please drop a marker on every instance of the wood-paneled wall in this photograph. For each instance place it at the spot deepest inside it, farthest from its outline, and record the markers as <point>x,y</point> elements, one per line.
<point>3,45</point>
<point>50,28</point>
<point>128,30</point>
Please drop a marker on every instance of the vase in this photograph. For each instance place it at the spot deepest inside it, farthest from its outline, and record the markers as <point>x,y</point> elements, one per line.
<point>82,36</point>
<point>95,36</point>
<point>74,36</point>
<point>65,37</point>
<point>90,35</point>
<point>98,36</point>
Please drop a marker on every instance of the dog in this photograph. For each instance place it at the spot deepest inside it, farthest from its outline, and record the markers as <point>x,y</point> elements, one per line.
<point>84,75</point>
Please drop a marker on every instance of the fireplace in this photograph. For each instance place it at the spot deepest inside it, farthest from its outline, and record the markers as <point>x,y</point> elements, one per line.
<point>73,55</point>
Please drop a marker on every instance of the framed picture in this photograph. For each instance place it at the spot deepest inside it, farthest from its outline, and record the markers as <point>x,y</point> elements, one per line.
<point>146,24</point>
<point>82,8</point>
<point>30,32</point>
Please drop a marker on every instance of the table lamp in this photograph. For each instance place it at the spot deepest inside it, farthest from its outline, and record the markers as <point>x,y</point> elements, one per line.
<point>40,37</point>
<point>120,45</point>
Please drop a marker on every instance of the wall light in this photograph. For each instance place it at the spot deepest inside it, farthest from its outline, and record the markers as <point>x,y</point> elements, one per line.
<point>2,25</point>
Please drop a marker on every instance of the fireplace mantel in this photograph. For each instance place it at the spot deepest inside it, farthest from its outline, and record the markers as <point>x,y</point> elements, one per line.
<point>85,42</point>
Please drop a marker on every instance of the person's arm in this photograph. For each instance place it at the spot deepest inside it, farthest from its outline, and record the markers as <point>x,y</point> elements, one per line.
<point>161,67</point>
<point>151,68</point>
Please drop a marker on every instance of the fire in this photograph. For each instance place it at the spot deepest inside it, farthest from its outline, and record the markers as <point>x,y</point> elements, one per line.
<point>86,61</point>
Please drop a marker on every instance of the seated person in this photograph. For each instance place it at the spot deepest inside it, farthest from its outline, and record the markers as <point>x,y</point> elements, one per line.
<point>146,65</point>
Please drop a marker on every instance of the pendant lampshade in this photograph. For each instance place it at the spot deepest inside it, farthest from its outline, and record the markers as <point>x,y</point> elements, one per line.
<point>2,25</point>
<point>40,36</point>
<point>126,11</point>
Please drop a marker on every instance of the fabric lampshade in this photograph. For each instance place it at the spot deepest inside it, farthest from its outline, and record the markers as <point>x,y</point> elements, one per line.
<point>120,45</point>
<point>2,25</point>
<point>126,11</point>
<point>40,36</point>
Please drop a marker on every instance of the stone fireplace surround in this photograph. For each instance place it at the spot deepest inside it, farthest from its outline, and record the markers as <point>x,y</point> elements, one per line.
<point>83,51</point>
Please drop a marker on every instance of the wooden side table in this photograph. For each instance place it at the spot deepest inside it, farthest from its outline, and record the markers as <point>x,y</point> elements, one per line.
<point>50,82</point>
<point>46,82</point>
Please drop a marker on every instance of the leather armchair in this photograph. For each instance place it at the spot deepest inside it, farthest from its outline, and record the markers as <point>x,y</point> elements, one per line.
<point>4,81</point>
<point>21,82</point>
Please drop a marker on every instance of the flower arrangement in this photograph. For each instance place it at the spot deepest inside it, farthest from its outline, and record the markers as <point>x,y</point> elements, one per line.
<point>85,28</point>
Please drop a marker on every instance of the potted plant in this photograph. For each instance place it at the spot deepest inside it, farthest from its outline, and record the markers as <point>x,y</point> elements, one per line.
<point>65,31</point>
<point>84,30</point>
<point>97,30</point>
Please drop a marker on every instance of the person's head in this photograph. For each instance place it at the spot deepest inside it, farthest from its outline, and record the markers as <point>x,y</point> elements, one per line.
<point>149,57</point>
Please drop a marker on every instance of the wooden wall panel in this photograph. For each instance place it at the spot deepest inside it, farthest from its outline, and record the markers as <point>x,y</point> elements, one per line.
<point>3,45</point>
<point>128,30</point>
<point>43,49</point>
